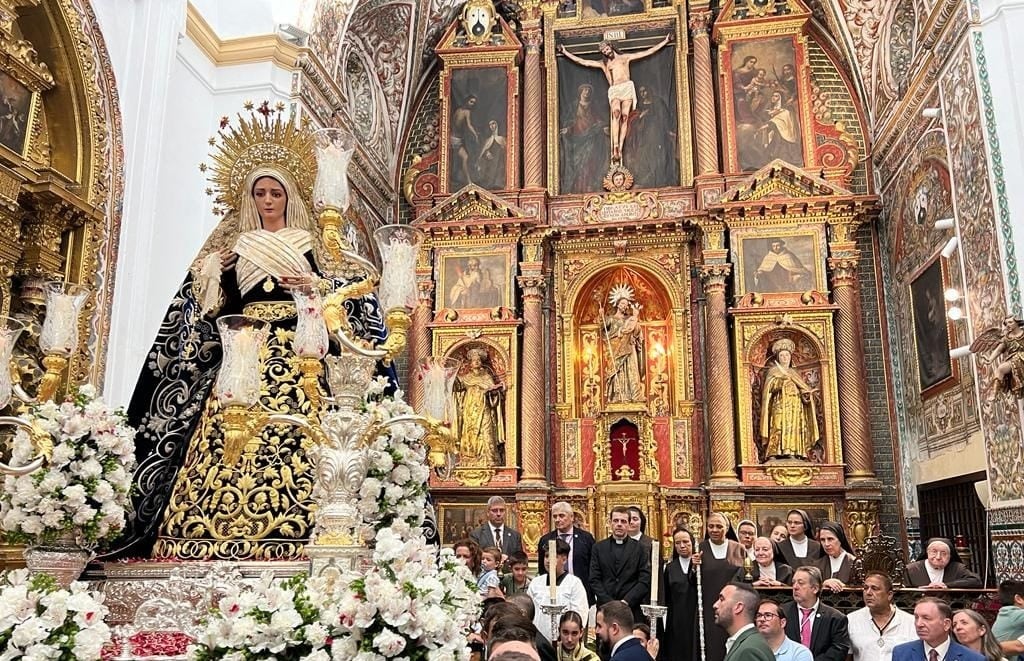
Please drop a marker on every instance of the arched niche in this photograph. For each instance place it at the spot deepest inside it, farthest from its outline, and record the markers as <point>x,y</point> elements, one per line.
<point>594,342</point>
<point>809,360</point>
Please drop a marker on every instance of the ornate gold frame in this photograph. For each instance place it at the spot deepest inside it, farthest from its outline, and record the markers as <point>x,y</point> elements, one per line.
<point>738,235</point>
<point>756,509</point>
<point>503,338</point>
<point>648,450</point>
<point>657,19</point>
<point>443,254</point>
<point>816,325</point>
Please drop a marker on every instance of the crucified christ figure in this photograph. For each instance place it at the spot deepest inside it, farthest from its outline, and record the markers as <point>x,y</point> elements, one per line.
<point>621,91</point>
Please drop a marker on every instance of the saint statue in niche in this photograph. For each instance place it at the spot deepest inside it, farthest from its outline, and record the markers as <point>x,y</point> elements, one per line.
<point>789,422</point>
<point>479,397</point>
<point>624,337</point>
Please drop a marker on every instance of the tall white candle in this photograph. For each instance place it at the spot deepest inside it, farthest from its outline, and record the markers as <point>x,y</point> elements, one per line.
<point>552,566</point>
<point>655,571</point>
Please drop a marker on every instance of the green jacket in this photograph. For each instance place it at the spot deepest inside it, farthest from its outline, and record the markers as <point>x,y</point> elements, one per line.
<point>750,646</point>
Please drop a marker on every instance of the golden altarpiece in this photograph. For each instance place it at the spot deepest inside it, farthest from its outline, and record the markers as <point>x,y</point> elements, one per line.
<point>60,181</point>
<point>648,275</point>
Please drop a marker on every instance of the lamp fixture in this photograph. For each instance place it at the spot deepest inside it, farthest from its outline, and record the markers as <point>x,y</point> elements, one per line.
<point>931,113</point>
<point>960,352</point>
<point>950,247</point>
<point>945,223</point>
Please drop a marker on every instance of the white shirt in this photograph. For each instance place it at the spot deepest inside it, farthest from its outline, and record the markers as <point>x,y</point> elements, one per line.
<point>810,616</point>
<point>934,575</point>
<point>864,635</point>
<point>570,593</point>
<point>837,563</point>
<point>799,548</point>
<point>684,563</point>
<point>617,645</point>
<point>767,571</point>
<point>732,639</point>
<point>719,550</point>
<point>941,649</point>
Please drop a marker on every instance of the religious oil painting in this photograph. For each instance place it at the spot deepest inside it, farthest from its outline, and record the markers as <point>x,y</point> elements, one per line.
<point>769,515</point>
<point>478,129</point>
<point>602,8</point>
<point>931,326</point>
<point>765,102</point>
<point>475,280</point>
<point>635,120</point>
<point>15,111</point>
<point>779,264</point>
<point>456,521</point>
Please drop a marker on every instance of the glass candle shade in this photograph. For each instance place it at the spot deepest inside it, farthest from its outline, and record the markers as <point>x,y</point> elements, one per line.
<point>310,328</point>
<point>64,303</point>
<point>10,331</point>
<point>348,377</point>
<point>334,149</point>
<point>399,247</point>
<point>437,377</point>
<point>238,381</point>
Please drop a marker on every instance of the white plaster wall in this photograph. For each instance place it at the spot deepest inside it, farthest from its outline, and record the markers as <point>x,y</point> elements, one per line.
<point>172,98</point>
<point>1002,23</point>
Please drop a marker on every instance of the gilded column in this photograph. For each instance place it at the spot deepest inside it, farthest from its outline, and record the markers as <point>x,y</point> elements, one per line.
<point>533,414</point>
<point>850,372</point>
<point>705,120</point>
<point>533,106</point>
<point>419,337</point>
<point>719,397</point>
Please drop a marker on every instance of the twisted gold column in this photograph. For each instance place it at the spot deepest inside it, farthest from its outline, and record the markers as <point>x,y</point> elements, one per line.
<point>705,120</point>
<point>533,414</point>
<point>851,375</point>
<point>419,338</point>
<point>533,107</point>
<point>719,396</point>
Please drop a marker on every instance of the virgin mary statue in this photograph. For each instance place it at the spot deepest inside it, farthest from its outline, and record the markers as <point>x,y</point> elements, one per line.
<point>189,503</point>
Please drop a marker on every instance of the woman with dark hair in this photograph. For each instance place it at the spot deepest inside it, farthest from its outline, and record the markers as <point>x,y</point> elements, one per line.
<point>680,585</point>
<point>939,568</point>
<point>836,564</point>
<point>637,529</point>
<point>470,553</point>
<point>717,561</point>
<point>798,548</point>
<point>570,639</point>
<point>769,569</point>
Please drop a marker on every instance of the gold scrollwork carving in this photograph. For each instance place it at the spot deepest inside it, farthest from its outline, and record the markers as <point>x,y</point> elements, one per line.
<point>792,476</point>
<point>861,520</point>
<point>532,521</point>
<point>473,477</point>
<point>731,508</point>
<point>270,311</point>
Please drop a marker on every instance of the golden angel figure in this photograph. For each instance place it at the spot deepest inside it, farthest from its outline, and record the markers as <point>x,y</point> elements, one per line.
<point>1003,348</point>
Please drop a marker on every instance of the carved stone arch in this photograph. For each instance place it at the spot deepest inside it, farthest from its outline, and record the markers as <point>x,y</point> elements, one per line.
<point>69,179</point>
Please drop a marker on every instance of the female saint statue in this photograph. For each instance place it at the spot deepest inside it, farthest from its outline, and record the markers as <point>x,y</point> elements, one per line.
<point>789,423</point>
<point>189,503</point>
<point>625,344</point>
<point>478,398</point>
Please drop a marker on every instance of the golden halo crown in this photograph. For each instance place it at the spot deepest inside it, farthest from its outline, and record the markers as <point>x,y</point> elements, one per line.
<point>785,344</point>
<point>619,292</point>
<point>264,138</point>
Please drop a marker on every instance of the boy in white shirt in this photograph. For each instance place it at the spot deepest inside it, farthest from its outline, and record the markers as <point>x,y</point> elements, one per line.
<point>569,593</point>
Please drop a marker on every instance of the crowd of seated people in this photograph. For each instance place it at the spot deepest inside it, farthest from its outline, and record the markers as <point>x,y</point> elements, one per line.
<point>601,585</point>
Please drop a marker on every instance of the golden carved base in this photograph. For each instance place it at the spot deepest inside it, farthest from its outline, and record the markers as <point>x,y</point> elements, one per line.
<point>473,477</point>
<point>792,475</point>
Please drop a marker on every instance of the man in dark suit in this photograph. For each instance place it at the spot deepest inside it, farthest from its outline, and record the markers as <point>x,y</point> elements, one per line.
<point>495,533</point>
<point>580,542</point>
<point>941,568</point>
<point>933,619</point>
<point>615,630</point>
<point>820,628</point>
<point>619,568</point>
<point>734,612</point>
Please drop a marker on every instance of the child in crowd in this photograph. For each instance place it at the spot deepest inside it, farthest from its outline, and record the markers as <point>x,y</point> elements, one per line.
<point>1009,625</point>
<point>570,639</point>
<point>490,558</point>
<point>517,581</point>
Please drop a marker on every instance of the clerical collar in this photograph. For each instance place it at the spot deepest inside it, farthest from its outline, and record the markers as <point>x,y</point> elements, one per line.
<point>719,550</point>
<point>618,541</point>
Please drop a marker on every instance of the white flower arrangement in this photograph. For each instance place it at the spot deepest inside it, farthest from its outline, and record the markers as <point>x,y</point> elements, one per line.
<point>412,604</point>
<point>40,621</point>
<point>83,489</point>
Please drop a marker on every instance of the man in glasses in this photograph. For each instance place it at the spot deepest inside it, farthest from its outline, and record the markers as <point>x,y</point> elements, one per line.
<point>771,624</point>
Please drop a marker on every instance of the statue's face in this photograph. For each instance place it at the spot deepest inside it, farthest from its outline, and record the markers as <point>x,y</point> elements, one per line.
<point>622,306</point>
<point>271,199</point>
<point>785,357</point>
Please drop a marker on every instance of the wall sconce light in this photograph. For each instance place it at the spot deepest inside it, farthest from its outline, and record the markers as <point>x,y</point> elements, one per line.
<point>931,113</point>
<point>960,352</point>
<point>955,313</point>
<point>945,224</point>
<point>951,294</point>
<point>292,34</point>
<point>950,247</point>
